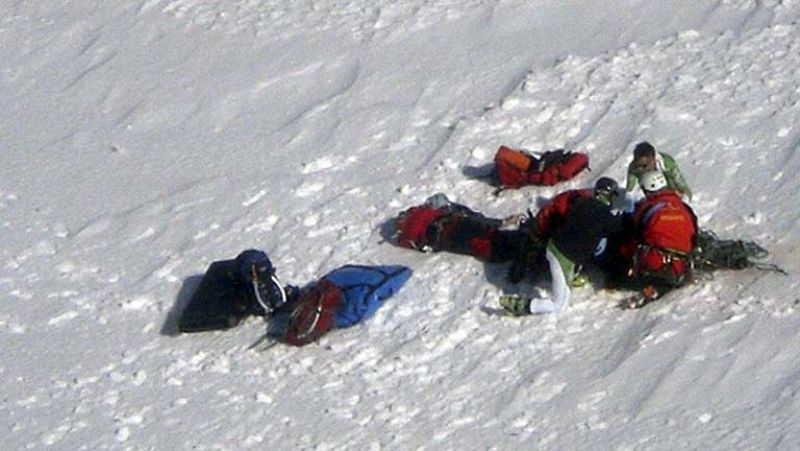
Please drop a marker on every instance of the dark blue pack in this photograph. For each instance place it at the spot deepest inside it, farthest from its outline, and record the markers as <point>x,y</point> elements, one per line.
<point>257,273</point>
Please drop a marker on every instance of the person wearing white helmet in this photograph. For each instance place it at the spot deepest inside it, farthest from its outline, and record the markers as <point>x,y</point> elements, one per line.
<point>647,159</point>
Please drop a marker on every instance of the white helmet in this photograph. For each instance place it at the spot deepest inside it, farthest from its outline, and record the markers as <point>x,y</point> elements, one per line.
<point>653,181</point>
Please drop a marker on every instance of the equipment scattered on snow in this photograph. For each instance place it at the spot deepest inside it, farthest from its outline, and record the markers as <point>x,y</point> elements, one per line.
<point>517,168</point>
<point>220,301</point>
<point>232,290</point>
<point>712,253</point>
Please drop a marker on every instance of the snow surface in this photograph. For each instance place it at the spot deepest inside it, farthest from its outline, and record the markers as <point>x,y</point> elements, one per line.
<point>143,139</point>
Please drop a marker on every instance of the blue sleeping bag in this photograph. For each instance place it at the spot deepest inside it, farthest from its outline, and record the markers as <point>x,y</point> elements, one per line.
<point>364,290</point>
<point>342,298</point>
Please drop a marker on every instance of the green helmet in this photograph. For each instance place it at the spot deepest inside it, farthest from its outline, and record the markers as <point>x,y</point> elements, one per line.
<point>605,188</point>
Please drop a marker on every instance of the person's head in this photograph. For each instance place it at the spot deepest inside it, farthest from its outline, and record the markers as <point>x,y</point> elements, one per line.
<point>652,182</point>
<point>644,157</point>
<point>605,188</point>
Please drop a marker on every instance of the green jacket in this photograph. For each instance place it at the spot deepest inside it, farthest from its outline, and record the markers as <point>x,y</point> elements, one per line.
<point>666,164</point>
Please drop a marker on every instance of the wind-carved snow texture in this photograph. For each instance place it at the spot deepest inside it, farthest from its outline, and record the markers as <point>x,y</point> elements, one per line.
<point>147,140</point>
<point>276,18</point>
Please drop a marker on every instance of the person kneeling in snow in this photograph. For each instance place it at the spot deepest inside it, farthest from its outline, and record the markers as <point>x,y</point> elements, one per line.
<point>647,159</point>
<point>661,236</point>
<point>232,290</point>
<point>576,226</point>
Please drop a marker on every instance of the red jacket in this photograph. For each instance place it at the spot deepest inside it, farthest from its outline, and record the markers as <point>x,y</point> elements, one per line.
<point>552,215</point>
<point>664,221</point>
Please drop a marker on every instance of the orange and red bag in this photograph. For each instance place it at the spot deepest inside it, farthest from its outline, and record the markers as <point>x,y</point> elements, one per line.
<point>517,168</point>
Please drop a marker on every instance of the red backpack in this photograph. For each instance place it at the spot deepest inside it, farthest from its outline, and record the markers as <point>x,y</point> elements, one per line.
<point>517,168</point>
<point>311,316</point>
<point>668,228</point>
<point>666,222</point>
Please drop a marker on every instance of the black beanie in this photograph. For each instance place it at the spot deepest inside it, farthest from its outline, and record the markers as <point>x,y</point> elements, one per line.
<point>644,149</point>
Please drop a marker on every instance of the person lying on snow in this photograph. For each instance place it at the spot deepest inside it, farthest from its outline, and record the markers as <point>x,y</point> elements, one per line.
<point>567,233</point>
<point>442,225</point>
<point>232,290</point>
<point>646,159</point>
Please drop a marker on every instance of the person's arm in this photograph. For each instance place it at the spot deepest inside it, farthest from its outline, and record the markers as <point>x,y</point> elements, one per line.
<point>675,176</point>
<point>562,270</point>
<point>632,179</point>
<point>629,197</point>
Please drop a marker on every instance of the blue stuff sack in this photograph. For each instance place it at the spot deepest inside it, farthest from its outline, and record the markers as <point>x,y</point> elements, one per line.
<point>364,289</point>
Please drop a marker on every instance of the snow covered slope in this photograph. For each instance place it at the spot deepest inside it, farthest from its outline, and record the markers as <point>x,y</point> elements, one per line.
<point>142,140</point>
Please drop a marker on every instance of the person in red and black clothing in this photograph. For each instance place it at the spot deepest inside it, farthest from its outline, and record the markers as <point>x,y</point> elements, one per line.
<point>576,222</point>
<point>554,214</point>
<point>442,225</point>
<point>573,230</point>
